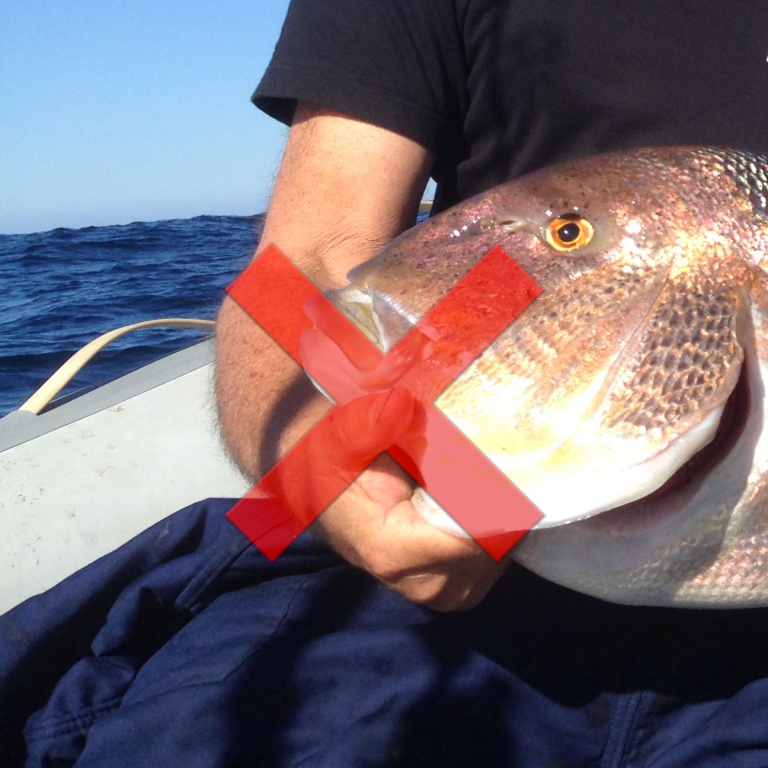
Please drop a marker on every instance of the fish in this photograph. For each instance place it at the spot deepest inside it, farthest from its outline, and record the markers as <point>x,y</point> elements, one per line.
<point>628,401</point>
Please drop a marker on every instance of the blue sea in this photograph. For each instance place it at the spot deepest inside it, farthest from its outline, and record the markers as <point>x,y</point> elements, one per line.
<point>61,289</point>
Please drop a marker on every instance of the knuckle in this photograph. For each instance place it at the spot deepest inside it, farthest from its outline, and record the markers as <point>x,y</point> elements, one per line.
<point>433,591</point>
<point>383,567</point>
<point>420,587</point>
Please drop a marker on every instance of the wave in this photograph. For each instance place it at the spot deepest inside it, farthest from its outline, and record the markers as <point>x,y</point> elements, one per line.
<point>64,287</point>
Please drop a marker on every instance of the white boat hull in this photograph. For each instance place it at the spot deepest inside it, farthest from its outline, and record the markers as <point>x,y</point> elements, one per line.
<point>85,477</point>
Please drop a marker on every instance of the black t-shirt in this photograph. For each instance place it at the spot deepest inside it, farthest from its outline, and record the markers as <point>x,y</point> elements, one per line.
<point>498,88</point>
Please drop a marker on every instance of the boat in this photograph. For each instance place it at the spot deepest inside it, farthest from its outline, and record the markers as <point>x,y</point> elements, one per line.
<point>84,474</point>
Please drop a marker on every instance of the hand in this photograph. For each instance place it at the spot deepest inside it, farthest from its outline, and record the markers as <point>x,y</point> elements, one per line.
<point>373,523</point>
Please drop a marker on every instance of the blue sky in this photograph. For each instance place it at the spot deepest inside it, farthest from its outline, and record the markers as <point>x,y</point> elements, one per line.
<point>114,111</point>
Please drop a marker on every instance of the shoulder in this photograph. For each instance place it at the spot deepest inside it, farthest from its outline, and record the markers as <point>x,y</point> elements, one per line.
<point>398,64</point>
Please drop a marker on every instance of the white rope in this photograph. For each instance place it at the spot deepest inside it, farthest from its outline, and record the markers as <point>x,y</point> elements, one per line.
<point>67,372</point>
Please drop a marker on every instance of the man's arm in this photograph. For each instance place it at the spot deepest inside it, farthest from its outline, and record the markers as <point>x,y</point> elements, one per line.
<point>345,189</point>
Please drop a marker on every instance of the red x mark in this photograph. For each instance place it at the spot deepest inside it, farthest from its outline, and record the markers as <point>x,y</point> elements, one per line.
<point>425,361</point>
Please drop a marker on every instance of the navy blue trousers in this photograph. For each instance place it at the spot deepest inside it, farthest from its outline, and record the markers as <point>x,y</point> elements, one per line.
<point>187,648</point>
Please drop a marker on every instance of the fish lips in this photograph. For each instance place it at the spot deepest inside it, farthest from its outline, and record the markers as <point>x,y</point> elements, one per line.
<point>374,316</point>
<point>352,330</point>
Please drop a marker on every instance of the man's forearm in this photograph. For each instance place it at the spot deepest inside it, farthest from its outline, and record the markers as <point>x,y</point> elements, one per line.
<point>265,402</point>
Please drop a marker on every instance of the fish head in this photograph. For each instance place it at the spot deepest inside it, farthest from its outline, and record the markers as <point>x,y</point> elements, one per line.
<point>632,383</point>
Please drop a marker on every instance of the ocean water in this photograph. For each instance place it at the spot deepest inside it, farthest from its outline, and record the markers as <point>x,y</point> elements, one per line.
<point>60,289</point>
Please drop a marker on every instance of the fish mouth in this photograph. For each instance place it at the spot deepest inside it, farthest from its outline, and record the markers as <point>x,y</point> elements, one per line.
<point>378,319</point>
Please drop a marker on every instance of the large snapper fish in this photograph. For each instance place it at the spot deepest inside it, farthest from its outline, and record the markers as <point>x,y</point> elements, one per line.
<point>628,401</point>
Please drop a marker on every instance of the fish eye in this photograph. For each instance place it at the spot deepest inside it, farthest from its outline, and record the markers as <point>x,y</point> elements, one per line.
<point>568,232</point>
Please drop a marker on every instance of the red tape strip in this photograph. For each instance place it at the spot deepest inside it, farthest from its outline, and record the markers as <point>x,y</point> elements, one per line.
<point>426,361</point>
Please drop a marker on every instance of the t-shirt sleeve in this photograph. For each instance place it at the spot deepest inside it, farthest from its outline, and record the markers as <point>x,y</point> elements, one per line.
<point>394,63</point>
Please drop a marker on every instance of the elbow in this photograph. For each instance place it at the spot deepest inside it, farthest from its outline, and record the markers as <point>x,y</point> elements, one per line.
<point>235,377</point>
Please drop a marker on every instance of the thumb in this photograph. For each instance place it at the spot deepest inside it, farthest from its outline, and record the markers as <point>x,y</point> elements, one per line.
<point>340,446</point>
<point>363,428</point>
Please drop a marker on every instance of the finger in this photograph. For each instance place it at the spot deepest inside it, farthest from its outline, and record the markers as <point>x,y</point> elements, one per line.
<point>364,428</point>
<point>375,526</point>
<point>429,566</point>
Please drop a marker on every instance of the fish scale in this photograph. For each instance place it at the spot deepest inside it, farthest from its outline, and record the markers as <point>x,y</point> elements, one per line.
<point>628,401</point>
<point>752,176</point>
<point>679,363</point>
